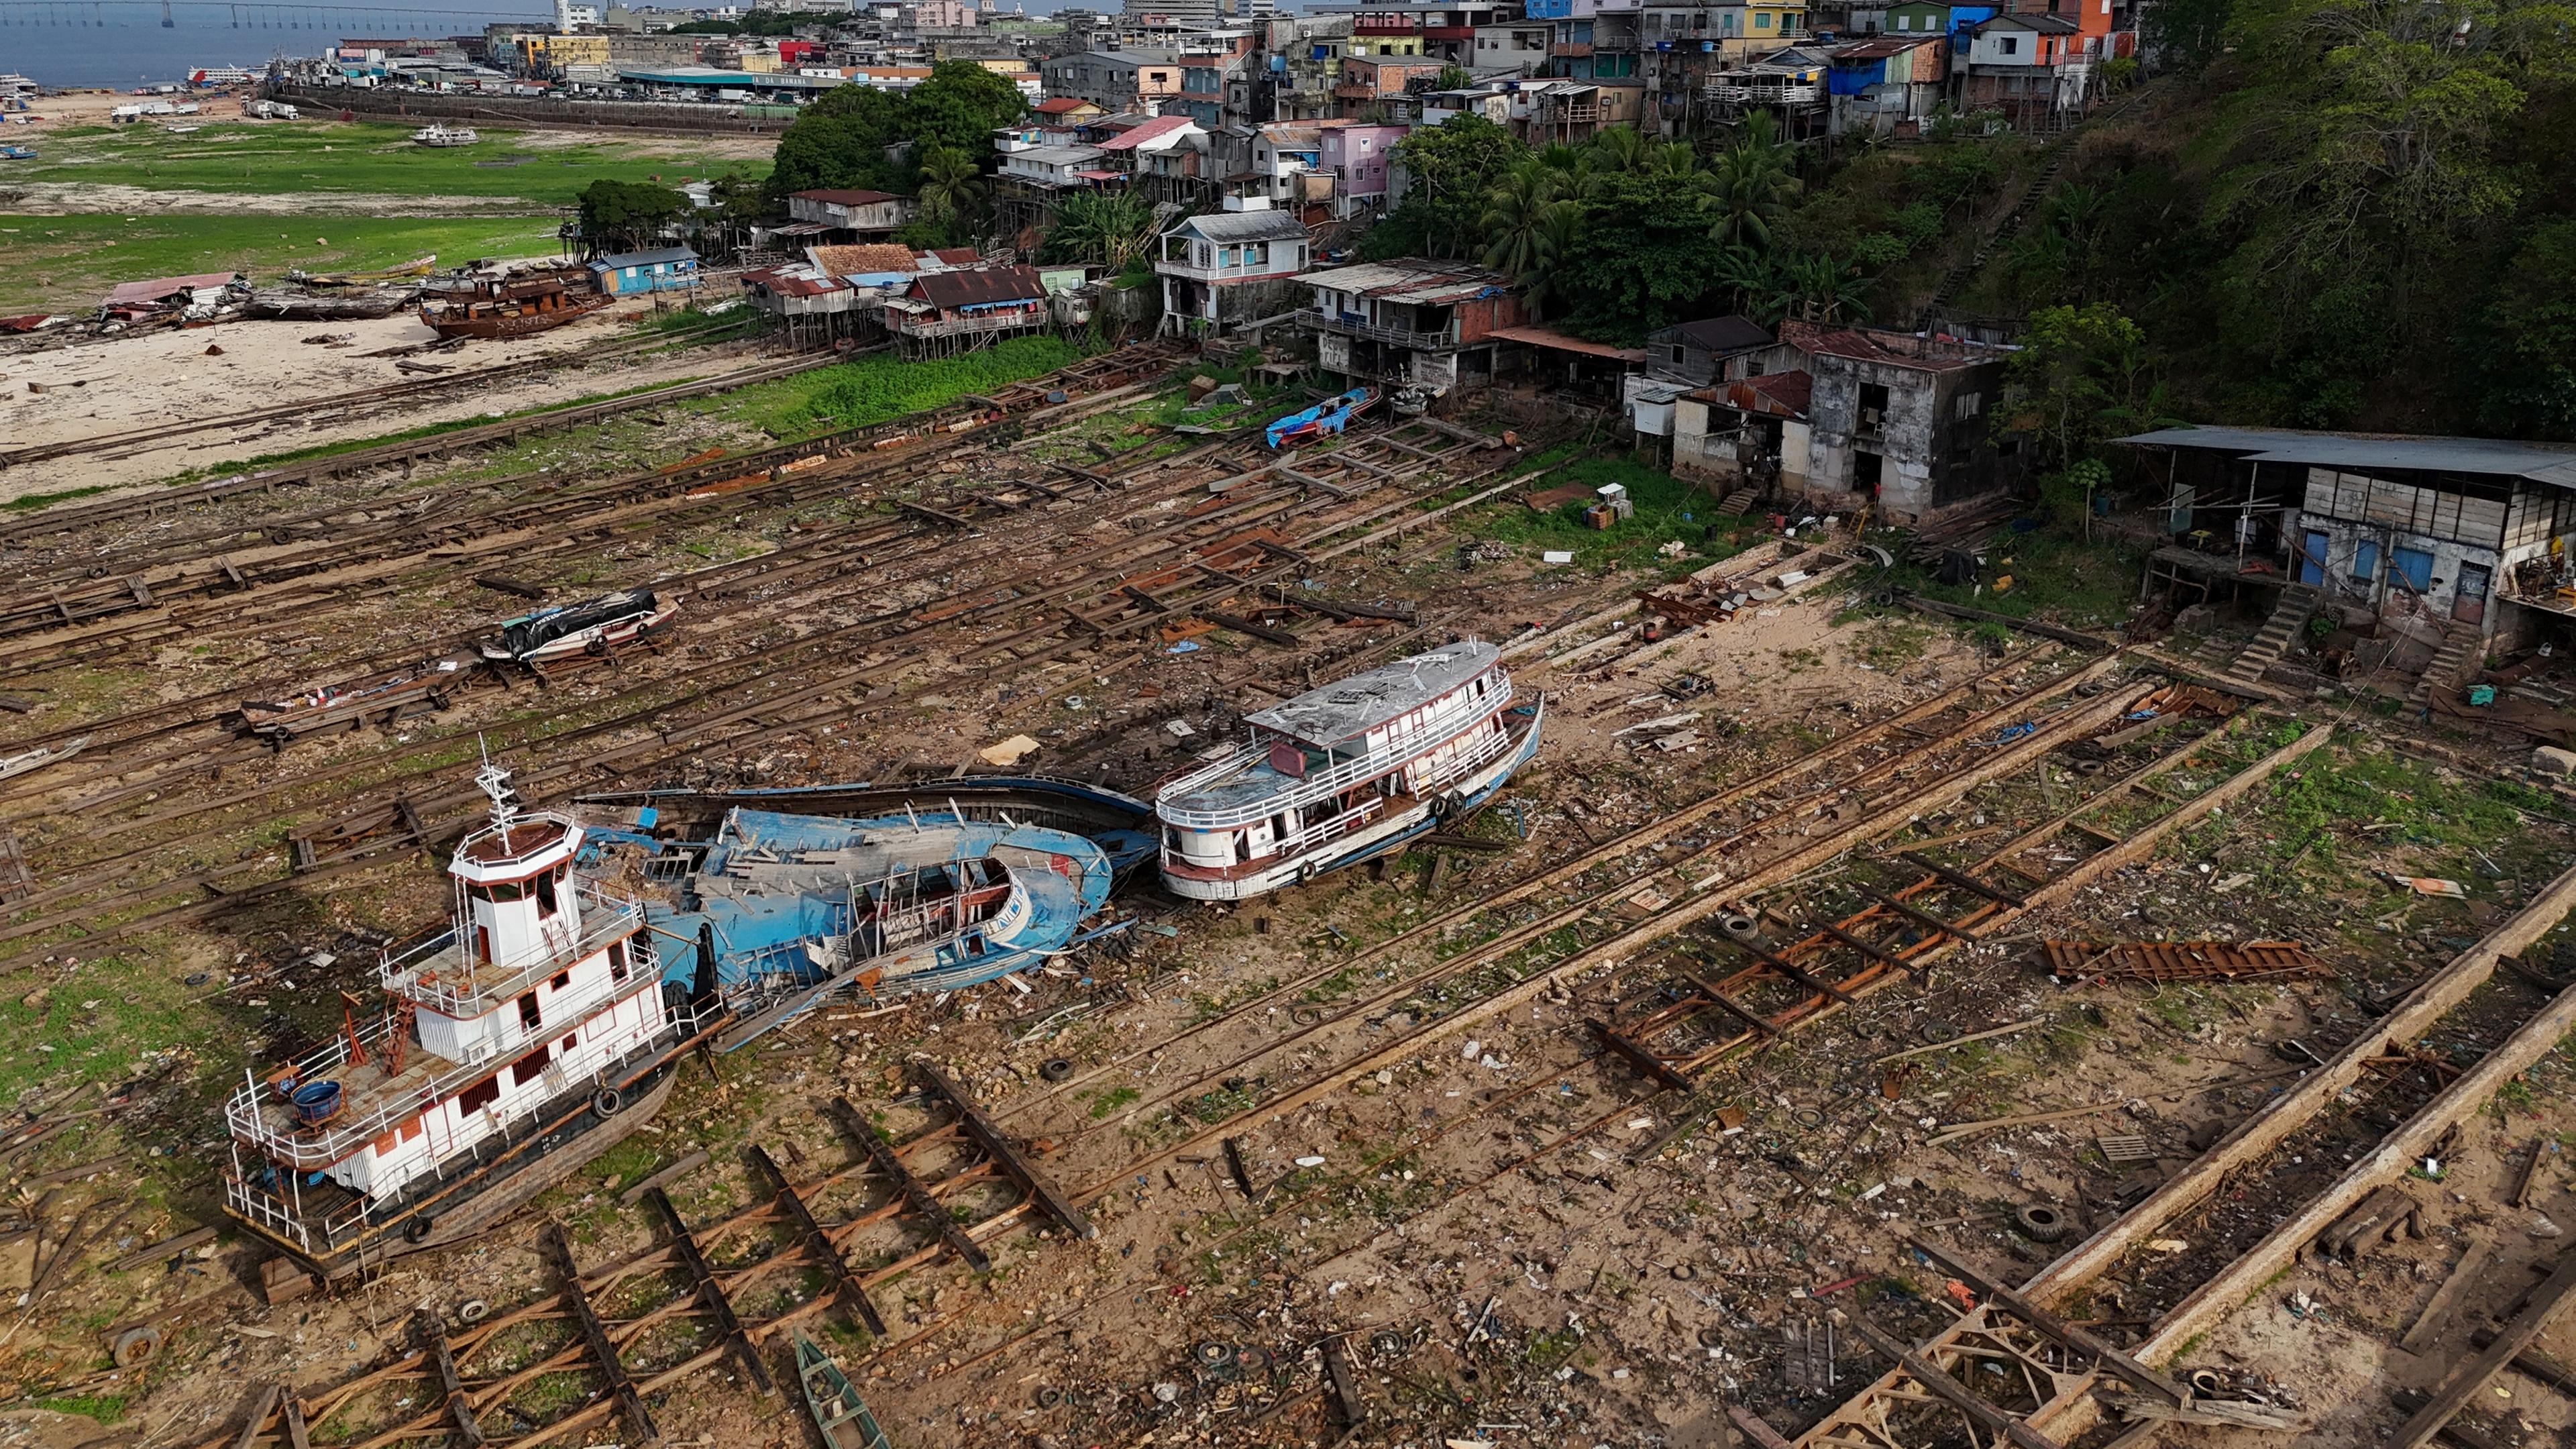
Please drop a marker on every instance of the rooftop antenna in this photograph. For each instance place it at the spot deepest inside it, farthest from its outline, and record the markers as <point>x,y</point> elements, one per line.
<point>496,784</point>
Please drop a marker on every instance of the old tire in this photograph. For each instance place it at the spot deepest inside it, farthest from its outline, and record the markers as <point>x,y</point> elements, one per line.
<point>473,1311</point>
<point>417,1230</point>
<point>136,1347</point>
<point>2041,1223</point>
<point>607,1102</point>
<point>1742,928</point>
<point>1056,1069</point>
<point>1213,1355</point>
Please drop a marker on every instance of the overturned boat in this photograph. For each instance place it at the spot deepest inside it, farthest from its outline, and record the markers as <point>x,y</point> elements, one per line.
<point>1347,772</point>
<point>783,911</point>
<point>1323,420</point>
<point>527,1037</point>
<point>593,626</point>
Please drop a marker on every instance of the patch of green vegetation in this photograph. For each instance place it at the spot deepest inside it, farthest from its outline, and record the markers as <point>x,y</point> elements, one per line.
<point>68,262</point>
<point>1666,510</point>
<point>876,389</point>
<point>236,158</point>
<point>425,430</point>
<point>2057,576</point>
<point>105,1408</point>
<point>30,502</point>
<point>1113,1099</point>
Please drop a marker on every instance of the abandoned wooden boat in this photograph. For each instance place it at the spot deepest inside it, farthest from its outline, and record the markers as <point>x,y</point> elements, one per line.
<point>791,909</point>
<point>1323,420</point>
<point>1346,772</point>
<point>511,305</point>
<point>838,1412</point>
<point>593,626</point>
<point>532,1034</point>
<point>27,762</point>
<point>422,689</point>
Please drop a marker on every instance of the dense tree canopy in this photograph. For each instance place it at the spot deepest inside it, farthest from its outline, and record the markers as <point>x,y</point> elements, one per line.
<point>621,216</point>
<point>859,136</point>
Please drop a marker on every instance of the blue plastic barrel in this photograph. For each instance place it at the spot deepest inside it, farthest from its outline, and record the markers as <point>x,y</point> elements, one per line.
<point>315,1101</point>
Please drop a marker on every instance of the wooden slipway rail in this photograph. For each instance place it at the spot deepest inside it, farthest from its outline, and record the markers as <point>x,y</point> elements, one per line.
<point>2067,1407</point>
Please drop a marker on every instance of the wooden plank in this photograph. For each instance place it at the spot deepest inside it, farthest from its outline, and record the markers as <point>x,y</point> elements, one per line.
<point>1007,1153</point>
<point>1242,625</point>
<point>1871,949</point>
<point>504,584</point>
<point>1754,1427</point>
<point>663,1177</point>
<point>1945,1388</point>
<point>258,1420</point>
<point>936,515</point>
<point>711,1293</point>
<point>2469,1379</point>
<point>2437,1311</point>
<point>2533,1362</point>
<point>2067,1334</point>
<point>915,1192</point>
<point>603,1352</point>
<point>460,1409</point>
<point>1348,1406</point>
<point>298,1433</point>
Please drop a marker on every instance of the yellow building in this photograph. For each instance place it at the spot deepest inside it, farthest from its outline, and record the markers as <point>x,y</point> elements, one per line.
<point>760,62</point>
<point>558,51</point>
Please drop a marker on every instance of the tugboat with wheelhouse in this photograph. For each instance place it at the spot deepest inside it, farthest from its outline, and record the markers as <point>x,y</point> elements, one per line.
<point>1347,772</point>
<point>531,1035</point>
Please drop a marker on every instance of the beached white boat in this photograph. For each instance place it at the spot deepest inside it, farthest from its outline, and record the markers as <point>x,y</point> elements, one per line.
<point>1346,772</point>
<point>435,134</point>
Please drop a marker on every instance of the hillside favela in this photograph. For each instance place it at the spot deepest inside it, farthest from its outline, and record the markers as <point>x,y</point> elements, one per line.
<point>1505,724</point>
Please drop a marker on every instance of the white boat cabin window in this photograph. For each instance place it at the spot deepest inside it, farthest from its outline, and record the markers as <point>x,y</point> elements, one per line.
<point>480,1095</point>
<point>617,967</point>
<point>528,1014</point>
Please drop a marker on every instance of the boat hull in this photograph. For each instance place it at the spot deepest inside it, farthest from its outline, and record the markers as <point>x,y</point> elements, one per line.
<point>1384,837</point>
<point>517,324</point>
<point>571,1133</point>
<point>598,637</point>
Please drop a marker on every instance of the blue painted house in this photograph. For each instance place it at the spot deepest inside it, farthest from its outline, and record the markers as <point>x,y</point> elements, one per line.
<point>631,274</point>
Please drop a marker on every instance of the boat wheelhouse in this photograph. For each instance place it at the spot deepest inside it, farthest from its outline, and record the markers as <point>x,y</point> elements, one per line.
<point>790,909</point>
<point>1346,772</point>
<point>532,1034</point>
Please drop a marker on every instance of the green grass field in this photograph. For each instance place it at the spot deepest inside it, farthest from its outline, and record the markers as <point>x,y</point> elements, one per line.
<point>69,262</point>
<point>245,158</point>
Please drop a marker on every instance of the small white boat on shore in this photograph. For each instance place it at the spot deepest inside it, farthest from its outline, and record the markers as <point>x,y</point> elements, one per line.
<point>435,134</point>
<point>1347,772</point>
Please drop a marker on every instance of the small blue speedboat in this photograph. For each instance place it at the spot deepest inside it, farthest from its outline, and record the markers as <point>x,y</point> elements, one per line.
<point>1322,420</point>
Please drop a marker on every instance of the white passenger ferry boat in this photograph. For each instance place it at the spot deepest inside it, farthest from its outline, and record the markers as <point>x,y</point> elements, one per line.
<point>1346,772</point>
<point>512,1048</point>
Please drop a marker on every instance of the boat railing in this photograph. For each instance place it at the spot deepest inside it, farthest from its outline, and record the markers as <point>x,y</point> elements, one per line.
<point>1308,787</point>
<point>463,991</point>
<point>1473,758</point>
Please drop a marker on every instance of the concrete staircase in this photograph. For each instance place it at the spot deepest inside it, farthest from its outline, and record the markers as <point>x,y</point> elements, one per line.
<point>2289,616</point>
<point>2460,647</point>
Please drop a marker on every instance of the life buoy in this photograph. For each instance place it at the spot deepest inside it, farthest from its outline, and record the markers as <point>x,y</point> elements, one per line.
<point>607,1102</point>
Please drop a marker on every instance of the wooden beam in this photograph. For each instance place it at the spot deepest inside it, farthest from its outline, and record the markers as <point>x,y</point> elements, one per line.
<point>1253,627</point>
<point>711,1294</point>
<point>1007,1153</point>
<point>1871,949</point>
<point>460,1410</point>
<point>936,515</point>
<point>1945,1388</point>
<point>1791,970</point>
<point>663,1177</point>
<point>847,1290</point>
<point>1962,881</point>
<point>1348,1406</point>
<point>1918,915</point>
<point>595,1334</point>
<point>915,1192</point>
<point>298,1433</point>
<point>2469,1379</point>
<point>1634,1053</point>
<point>2049,1324</point>
<point>259,1412</point>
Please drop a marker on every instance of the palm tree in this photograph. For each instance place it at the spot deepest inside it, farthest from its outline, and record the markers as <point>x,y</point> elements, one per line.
<point>951,184</point>
<point>1516,213</point>
<point>1557,233</point>
<point>1819,288</point>
<point>1097,226</point>
<point>1753,277</point>
<point>1748,189</point>
<point>1621,148</point>
<point>1673,158</point>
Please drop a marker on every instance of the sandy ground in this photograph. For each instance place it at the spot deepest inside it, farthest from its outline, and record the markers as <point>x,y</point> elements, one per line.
<point>142,380</point>
<point>65,198</point>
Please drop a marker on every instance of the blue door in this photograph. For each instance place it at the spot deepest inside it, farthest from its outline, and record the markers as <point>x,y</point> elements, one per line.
<point>2365,561</point>
<point>2414,566</point>
<point>2312,557</point>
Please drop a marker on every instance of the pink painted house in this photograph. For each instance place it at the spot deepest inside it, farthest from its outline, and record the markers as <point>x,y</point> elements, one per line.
<point>1357,158</point>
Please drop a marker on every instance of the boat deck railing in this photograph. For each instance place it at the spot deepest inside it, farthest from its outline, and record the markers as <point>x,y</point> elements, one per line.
<point>436,974</point>
<point>1305,788</point>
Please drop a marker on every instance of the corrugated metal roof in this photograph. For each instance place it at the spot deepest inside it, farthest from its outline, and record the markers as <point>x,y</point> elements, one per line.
<point>1353,707</point>
<point>846,198</point>
<point>654,258</point>
<point>865,259</point>
<point>130,293</point>
<point>1242,226</point>
<point>1153,130</point>
<point>1410,280</point>
<point>1555,341</point>
<point>2553,463</point>
<point>1718,334</point>
<point>979,288</point>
